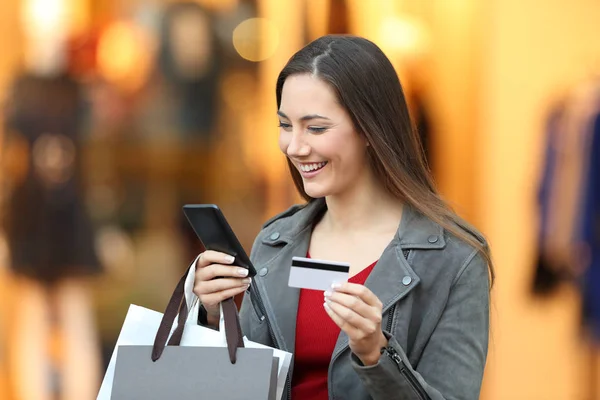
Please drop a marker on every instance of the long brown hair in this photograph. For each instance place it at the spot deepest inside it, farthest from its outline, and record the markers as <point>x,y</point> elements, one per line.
<point>368,87</point>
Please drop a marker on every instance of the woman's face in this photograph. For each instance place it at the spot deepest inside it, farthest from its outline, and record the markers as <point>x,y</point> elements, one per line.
<point>317,135</point>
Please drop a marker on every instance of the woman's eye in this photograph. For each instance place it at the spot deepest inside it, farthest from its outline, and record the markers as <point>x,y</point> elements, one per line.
<point>317,129</point>
<point>284,125</point>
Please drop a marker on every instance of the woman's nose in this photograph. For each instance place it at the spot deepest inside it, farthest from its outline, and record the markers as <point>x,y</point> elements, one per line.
<point>298,146</point>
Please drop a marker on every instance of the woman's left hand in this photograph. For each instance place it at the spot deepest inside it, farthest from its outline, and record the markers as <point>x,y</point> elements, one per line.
<point>357,311</point>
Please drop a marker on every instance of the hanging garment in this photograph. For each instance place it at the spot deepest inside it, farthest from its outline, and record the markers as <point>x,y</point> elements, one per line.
<point>548,273</point>
<point>566,189</point>
<point>49,234</point>
<point>191,61</point>
<point>590,235</point>
<point>569,202</point>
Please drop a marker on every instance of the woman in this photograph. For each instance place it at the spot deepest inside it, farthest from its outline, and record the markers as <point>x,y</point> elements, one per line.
<point>412,322</point>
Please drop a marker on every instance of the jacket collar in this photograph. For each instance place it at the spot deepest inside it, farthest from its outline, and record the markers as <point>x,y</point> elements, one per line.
<point>415,231</point>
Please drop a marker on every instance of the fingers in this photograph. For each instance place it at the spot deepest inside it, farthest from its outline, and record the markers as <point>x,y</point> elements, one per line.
<point>204,283</point>
<point>360,291</point>
<point>354,305</point>
<point>357,330</point>
<point>211,291</point>
<point>218,285</point>
<point>339,321</point>
<point>355,309</point>
<point>214,270</point>
<point>352,323</point>
<point>213,299</point>
<point>213,257</point>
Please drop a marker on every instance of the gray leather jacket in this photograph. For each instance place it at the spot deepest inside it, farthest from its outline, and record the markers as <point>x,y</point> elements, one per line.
<point>435,294</point>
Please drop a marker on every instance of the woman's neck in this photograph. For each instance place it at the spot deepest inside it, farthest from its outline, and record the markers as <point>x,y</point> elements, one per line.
<point>367,208</point>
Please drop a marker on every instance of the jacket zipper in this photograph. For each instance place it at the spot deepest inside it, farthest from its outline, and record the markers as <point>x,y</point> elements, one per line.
<point>412,380</point>
<point>261,312</point>
<point>393,308</point>
<point>390,319</point>
<point>257,310</point>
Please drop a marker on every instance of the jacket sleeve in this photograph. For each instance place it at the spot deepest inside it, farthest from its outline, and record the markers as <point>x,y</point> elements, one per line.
<point>452,364</point>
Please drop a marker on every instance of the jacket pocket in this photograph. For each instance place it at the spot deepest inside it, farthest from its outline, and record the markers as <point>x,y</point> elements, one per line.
<point>257,310</point>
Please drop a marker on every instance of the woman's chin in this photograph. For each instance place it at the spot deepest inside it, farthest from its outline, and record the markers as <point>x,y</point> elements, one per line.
<point>314,191</point>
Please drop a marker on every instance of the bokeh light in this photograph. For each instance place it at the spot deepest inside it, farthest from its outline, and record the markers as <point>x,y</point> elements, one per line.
<point>407,36</point>
<point>256,39</point>
<point>45,28</point>
<point>124,55</point>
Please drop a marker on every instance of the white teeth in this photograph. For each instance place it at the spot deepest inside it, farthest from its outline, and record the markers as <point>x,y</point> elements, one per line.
<point>312,167</point>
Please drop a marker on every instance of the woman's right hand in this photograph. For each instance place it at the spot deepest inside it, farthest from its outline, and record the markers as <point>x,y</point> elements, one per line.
<point>212,292</point>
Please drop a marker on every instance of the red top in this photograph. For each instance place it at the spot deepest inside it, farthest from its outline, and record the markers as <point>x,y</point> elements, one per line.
<point>316,335</point>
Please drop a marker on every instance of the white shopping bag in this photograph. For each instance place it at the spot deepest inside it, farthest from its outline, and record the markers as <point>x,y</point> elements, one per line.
<point>141,325</point>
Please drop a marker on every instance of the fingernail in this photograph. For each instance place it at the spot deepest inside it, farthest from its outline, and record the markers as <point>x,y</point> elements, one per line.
<point>229,259</point>
<point>327,293</point>
<point>242,271</point>
<point>336,285</point>
<point>247,280</point>
<point>326,306</point>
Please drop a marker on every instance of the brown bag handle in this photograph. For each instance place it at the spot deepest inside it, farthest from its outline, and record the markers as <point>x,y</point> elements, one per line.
<point>233,329</point>
<point>177,307</point>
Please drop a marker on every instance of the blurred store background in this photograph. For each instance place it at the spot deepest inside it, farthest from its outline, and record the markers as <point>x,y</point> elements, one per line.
<point>116,113</point>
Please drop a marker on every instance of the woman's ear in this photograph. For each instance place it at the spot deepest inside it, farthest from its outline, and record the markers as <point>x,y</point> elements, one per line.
<point>365,139</point>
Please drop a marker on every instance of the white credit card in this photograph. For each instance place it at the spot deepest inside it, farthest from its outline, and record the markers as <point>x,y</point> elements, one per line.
<point>308,273</point>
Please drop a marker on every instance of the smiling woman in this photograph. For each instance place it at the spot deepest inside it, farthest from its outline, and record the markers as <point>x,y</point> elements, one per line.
<point>412,321</point>
<point>323,146</point>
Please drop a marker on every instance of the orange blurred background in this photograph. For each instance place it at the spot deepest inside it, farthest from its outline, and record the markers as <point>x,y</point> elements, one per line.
<point>481,76</point>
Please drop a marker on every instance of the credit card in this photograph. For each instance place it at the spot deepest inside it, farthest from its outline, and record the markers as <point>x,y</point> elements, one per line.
<point>308,273</point>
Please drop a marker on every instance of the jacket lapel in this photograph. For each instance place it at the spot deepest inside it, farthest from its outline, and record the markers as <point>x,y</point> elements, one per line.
<point>281,301</point>
<point>289,237</point>
<point>392,279</point>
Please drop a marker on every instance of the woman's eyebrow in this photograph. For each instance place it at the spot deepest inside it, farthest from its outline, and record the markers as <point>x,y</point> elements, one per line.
<point>304,118</point>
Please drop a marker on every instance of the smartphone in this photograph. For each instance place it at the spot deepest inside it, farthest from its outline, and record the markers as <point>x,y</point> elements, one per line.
<point>216,234</point>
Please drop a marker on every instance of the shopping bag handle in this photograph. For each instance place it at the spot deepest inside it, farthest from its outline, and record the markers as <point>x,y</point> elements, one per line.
<point>233,329</point>
<point>177,307</point>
